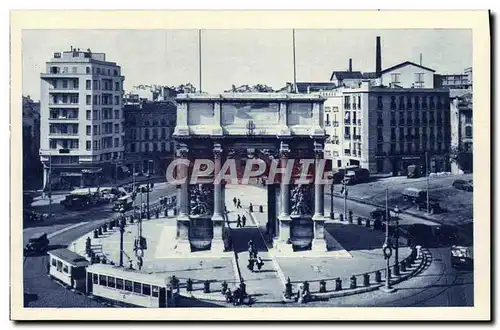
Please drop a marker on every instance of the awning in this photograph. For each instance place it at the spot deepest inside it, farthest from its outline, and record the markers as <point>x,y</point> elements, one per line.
<point>70,174</point>
<point>92,171</point>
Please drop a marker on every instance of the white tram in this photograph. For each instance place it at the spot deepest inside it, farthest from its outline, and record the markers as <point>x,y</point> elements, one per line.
<point>68,267</point>
<point>129,287</point>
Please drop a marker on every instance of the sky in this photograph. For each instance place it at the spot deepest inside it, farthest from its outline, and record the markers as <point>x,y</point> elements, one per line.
<point>170,57</point>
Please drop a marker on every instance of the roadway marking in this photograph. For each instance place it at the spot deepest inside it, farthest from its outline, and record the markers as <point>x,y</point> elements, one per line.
<point>66,229</point>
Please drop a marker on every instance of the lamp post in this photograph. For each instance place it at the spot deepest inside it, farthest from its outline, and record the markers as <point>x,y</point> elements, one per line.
<point>332,215</point>
<point>122,231</point>
<point>387,248</point>
<point>149,187</point>
<point>396,245</point>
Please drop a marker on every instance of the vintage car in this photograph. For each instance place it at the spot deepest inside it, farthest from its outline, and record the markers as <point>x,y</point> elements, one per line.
<point>463,185</point>
<point>377,214</point>
<point>37,243</point>
<point>462,256</point>
<point>434,207</point>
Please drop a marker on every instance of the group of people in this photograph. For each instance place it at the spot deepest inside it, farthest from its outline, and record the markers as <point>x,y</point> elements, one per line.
<point>253,258</point>
<point>241,221</point>
<point>237,203</point>
<point>237,296</point>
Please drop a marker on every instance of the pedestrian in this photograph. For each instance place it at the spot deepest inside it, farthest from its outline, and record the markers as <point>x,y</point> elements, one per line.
<point>243,220</point>
<point>234,201</point>
<point>251,263</point>
<point>236,296</point>
<point>238,206</point>
<point>260,263</point>
<point>238,221</point>
<point>229,295</point>
<point>254,253</point>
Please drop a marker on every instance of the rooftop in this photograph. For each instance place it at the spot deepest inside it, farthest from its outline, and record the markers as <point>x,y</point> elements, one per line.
<point>248,97</point>
<point>397,66</point>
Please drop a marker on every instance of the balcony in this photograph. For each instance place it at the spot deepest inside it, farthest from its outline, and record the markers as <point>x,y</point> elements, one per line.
<point>357,137</point>
<point>347,121</point>
<point>354,106</point>
<point>347,136</point>
<point>64,134</point>
<point>335,123</point>
<point>359,122</point>
<point>62,105</point>
<point>347,106</point>
<point>64,118</point>
<point>347,152</point>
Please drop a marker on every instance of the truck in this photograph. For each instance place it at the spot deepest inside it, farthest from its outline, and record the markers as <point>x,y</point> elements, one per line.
<point>414,171</point>
<point>356,175</point>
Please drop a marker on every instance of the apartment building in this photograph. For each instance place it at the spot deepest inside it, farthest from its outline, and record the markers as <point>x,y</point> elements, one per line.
<point>461,133</point>
<point>387,129</point>
<point>454,81</point>
<point>82,132</point>
<point>149,146</point>
<point>31,143</point>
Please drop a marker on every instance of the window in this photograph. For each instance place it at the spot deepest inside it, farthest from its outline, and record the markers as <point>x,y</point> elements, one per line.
<point>393,103</point>
<point>380,147</point>
<point>95,100</point>
<point>98,70</point>
<point>75,69</point>
<point>59,266</point>
<point>54,69</point>
<point>163,146</point>
<point>395,77</point>
<point>380,165</point>
<point>146,147</point>
<point>347,102</point>
<point>128,285</point>
<point>94,278</point>
<point>74,99</point>
<point>89,100</point>
<point>65,83</point>
<point>87,70</point>
<point>53,262</point>
<point>76,84</point>
<point>146,289</point>
<point>393,134</point>
<point>115,72</point>
<point>117,114</point>
<point>88,145</point>
<point>103,280</point>
<point>117,85</point>
<point>137,287</point>
<point>65,69</point>
<point>401,103</point>
<point>380,105</point>
<point>468,131</point>
<point>117,142</point>
<point>53,144</point>
<point>380,135</point>
<point>359,102</point>
<point>89,130</point>
<point>154,291</point>
<point>88,84</point>
<point>119,283</point>
<point>111,281</point>
<point>89,115</point>
<point>417,103</point>
<point>117,128</point>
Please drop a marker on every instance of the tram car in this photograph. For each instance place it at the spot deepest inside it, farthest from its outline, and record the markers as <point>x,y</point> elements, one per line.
<point>68,268</point>
<point>128,287</point>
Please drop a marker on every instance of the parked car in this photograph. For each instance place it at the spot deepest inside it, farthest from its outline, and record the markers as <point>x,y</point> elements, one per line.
<point>415,195</point>
<point>30,215</point>
<point>377,214</point>
<point>463,185</point>
<point>414,171</point>
<point>38,243</point>
<point>462,256</point>
<point>434,207</point>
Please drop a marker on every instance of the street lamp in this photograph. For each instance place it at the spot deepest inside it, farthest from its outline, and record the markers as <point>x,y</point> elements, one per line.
<point>149,187</point>
<point>122,231</point>
<point>387,249</point>
<point>332,215</point>
<point>396,237</point>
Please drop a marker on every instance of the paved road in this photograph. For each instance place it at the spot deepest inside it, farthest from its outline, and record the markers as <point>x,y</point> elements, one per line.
<point>39,290</point>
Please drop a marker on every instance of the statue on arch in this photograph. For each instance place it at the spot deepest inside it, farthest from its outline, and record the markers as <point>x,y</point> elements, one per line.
<point>301,200</point>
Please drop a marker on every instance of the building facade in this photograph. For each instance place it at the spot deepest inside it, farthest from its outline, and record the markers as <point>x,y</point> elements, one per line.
<point>81,119</point>
<point>149,145</point>
<point>32,168</point>
<point>461,133</point>
<point>454,81</point>
<point>387,129</point>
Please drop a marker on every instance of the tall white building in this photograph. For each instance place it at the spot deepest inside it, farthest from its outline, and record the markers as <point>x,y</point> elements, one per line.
<point>81,125</point>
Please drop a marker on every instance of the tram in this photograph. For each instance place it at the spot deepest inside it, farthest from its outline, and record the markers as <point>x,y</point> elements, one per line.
<point>129,287</point>
<point>68,268</point>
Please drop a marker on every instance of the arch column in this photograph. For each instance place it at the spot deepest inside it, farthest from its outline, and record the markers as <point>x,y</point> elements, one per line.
<point>217,217</point>
<point>183,222</point>
<point>319,242</point>
<point>284,218</point>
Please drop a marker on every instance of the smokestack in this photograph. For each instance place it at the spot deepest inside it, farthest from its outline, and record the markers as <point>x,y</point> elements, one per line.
<point>378,58</point>
<point>420,59</point>
<point>350,65</point>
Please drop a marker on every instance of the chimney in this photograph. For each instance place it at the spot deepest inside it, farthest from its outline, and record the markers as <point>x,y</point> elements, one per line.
<point>420,59</point>
<point>71,48</point>
<point>350,65</point>
<point>378,58</point>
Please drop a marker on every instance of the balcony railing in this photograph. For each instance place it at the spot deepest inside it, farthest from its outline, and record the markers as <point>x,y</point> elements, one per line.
<point>63,133</point>
<point>63,104</point>
<point>64,118</point>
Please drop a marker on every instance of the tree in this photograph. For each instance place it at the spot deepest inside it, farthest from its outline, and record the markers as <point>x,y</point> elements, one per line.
<point>259,88</point>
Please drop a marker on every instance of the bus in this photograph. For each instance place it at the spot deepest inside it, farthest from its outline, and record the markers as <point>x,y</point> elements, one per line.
<point>125,202</point>
<point>129,287</point>
<point>68,268</point>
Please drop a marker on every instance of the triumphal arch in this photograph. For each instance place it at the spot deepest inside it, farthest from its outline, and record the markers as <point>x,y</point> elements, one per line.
<point>234,129</point>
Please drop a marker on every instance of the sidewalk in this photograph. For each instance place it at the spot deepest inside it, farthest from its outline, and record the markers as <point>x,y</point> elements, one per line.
<point>263,285</point>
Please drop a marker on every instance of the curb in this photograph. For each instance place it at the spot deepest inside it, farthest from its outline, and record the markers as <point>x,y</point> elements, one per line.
<point>425,256</point>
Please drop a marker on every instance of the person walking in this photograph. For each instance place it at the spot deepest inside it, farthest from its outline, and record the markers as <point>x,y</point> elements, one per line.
<point>238,206</point>
<point>243,220</point>
<point>234,201</point>
<point>260,263</point>
<point>238,222</point>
